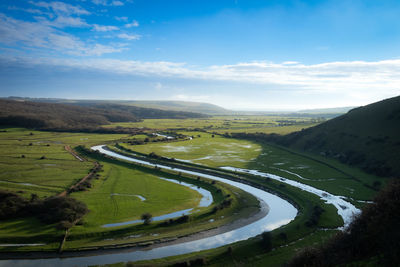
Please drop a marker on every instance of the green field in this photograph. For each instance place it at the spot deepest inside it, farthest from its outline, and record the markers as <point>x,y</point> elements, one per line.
<point>23,169</point>
<point>219,151</point>
<point>162,197</point>
<point>222,124</point>
<point>113,196</point>
<point>204,149</point>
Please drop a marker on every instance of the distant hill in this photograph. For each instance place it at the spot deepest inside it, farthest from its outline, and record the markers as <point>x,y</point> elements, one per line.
<point>57,116</point>
<point>183,106</point>
<point>78,116</point>
<point>339,110</point>
<point>367,137</point>
<point>141,112</point>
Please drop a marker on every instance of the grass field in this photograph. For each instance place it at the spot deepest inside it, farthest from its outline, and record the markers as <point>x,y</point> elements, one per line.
<point>23,169</point>
<point>161,197</point>
<point>316,171</point>
<point>219,151</point>
<point>222,124</point>
<point>114,196</point>
<point>204,149</point>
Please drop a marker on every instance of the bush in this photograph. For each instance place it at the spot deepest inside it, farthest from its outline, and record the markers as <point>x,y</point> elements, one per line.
<point>266,239</point>
<point>11,205</point>
<point>50,210</point>
<point>147,217</point>
<point>57,209</point>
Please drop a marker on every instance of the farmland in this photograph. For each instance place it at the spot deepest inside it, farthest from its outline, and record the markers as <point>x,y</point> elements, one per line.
<point>119,193</point>
<point>122,191</point>
<point>219,151</point>
<point>222,124</point>
<point>37,162</point>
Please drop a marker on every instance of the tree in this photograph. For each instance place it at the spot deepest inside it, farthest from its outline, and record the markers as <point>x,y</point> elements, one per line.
<point>147,217</point>
<point>266,241</point>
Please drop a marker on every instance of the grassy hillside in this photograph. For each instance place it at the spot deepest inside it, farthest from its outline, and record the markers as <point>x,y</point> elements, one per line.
<point>86,115</point>
<point>48,115</point>
<point>142,112</point>
<point>183,106</point>
<point>367,137</point>
<point>165,105</point>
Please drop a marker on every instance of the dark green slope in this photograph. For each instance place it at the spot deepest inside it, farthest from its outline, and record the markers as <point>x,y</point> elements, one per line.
<point>57,116</point>
<point>143,113</point>
<point>367,137</point>
<point>192,108</point>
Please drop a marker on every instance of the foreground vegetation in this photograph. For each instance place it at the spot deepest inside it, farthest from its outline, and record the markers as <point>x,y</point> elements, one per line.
<point>371,239</point>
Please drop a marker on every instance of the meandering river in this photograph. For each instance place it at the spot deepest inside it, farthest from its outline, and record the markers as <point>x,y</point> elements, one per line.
<point>280,212</point>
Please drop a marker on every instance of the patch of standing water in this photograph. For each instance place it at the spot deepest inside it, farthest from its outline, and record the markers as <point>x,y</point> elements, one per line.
<point>157,218</point>
<point>165,136</point>
<point>292,173</point>
<point>206,199</point>
<point>26,184</point>
<point>129,195</point>
<point>345,209</point>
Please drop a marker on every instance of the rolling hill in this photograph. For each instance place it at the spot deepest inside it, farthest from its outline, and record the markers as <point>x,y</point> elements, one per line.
<point>199,107</point>
<point>367,137</point>
<point>57,116</point>
<point>42,115</point>
<point>166,105</point>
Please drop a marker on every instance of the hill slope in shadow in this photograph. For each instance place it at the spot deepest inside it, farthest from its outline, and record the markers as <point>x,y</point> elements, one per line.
<point>367,137</point>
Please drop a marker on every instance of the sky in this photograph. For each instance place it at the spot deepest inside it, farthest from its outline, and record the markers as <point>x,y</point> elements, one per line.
<point>239,54</point>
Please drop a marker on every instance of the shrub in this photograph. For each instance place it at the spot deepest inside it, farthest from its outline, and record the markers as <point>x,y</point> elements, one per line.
<point>49,210</point>
<point>147,217</point>
<point>266,239</point>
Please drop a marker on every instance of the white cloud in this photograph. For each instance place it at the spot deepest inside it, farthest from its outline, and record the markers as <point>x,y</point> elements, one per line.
<point>331,76</point>
<point>61,8</point>
<point>186,97</point>
<point>121,18</point>
<point>129,36</point>
<point>64,21</point>
<point>132,24</point>
<point>108,3</point>
<point>358,79</point>
<point>117,3</point>
<point>28,10</point>
<point>255,85</point>
<point>102,28</point>
<point>41,35</point>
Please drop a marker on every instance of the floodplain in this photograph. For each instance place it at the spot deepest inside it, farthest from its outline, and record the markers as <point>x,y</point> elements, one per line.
<point>40,163</point>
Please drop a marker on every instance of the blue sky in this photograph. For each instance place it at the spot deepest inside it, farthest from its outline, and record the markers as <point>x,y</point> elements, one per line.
<point>246,55</point>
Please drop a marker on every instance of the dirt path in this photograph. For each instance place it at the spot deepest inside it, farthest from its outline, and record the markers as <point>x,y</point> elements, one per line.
<point>72,152</point>
<point>94,169</point>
